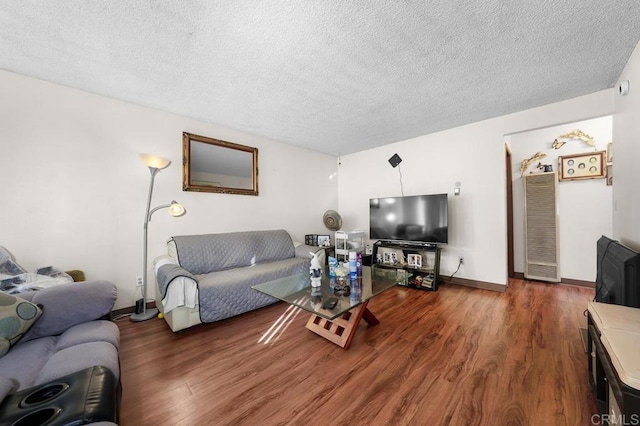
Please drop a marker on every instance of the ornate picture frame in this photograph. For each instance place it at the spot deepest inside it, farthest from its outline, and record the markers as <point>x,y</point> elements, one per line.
<point>589,165</point>
<point>214,165</point>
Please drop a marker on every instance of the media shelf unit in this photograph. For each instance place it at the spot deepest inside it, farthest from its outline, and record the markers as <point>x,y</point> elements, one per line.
<point>348,241</point>
<point>425,277</point>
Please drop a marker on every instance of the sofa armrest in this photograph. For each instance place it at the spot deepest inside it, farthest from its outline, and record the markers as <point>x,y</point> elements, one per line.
<point>167,273</point>
<point>70,304</point>
<point>304,251</point>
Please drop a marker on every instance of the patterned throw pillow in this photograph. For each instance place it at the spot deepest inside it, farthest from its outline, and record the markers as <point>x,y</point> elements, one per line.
<point>16,317</point>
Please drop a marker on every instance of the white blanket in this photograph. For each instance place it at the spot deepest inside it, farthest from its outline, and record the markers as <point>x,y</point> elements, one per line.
<point>182,291</point>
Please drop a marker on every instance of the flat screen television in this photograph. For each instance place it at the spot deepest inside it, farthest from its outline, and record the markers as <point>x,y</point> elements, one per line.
<point>417,218</point>
<point>618,274</point>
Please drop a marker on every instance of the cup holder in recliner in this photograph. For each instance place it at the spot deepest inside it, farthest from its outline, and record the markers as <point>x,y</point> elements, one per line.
<point>92,393</point>
<point>44,394</point>
<point>38,417</point>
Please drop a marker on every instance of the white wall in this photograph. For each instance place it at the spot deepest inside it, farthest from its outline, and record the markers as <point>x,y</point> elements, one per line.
<point>473,155</point>
<point>585,209</point>
<point>626,157</point>
<point>74,190</point>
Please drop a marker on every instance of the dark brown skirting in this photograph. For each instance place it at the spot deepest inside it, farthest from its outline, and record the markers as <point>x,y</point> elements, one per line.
<point>591,284</point>
<point>477,284</point>
<point>131,309</point>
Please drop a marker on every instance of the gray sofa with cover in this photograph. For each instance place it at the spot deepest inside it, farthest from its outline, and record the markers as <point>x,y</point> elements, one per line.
<point>216,272</point>
<point>71,339</point>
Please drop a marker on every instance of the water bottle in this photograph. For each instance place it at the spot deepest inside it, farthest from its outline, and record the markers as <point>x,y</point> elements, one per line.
<point>353,268</point>
<point>356,290</point>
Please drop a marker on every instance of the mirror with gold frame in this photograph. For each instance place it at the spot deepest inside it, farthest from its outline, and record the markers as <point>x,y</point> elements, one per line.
<point>214,165</point>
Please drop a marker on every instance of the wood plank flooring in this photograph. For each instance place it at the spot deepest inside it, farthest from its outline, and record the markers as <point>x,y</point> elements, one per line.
<point>458,356</point>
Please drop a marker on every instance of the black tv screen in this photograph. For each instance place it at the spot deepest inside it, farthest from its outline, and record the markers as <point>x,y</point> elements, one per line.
<point>618,274</point>
<point>417,218</point>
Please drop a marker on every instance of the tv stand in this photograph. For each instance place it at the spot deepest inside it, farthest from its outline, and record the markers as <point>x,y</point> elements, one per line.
<point>425,275</point>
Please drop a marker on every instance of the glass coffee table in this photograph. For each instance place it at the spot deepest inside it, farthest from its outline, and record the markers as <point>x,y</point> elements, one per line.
<point>340,323</point>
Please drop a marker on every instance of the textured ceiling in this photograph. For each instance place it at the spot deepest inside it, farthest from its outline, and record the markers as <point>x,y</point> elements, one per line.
<point>332,76</point>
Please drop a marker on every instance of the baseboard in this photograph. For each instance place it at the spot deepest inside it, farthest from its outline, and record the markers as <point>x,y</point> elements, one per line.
<point>477,284</point>
<point>578,282</point>
<point>569,281</point>
<point>131,309</point>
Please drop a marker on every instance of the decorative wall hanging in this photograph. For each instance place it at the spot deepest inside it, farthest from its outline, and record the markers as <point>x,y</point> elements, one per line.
<point>610,153</point>
<point>575,134</point>
<point>582,166</point>
<point>544,168</point>
<point>609,174</point>
<point>557,144</point>
<point>526,163</point>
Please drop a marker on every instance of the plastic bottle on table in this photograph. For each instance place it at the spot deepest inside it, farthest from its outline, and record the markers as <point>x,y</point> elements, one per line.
<point>353,269</point>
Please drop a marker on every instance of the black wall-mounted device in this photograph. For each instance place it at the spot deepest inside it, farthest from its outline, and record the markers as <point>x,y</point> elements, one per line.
<point>395,160</point>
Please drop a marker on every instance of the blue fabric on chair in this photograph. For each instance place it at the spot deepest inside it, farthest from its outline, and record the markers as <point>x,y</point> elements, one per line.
<point>93,331</point>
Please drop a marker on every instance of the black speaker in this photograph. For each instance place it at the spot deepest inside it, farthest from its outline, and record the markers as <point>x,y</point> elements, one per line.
<point>395,160</point>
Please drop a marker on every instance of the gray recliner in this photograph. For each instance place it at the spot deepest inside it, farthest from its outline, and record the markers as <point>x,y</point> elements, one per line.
<point>73,334</point>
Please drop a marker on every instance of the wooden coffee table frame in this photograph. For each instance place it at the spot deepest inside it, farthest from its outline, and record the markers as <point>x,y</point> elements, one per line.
<point>342,329</point>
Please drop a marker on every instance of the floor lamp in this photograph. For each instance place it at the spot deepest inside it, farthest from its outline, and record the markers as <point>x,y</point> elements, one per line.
<point>155,164</point>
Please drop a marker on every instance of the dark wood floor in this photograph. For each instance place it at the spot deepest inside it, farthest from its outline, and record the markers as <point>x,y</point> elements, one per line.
<point>458,356</point>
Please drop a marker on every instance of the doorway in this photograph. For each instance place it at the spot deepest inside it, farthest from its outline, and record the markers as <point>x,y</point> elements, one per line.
<point>583,205</point>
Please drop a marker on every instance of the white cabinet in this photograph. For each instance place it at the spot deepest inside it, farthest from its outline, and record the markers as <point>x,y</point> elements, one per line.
<point>348,241</point>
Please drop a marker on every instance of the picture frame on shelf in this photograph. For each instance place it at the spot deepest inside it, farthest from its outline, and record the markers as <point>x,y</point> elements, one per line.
<point>324,241</point>
<point>386,257</point>
<point>414,260</point>
<point>589,165</point>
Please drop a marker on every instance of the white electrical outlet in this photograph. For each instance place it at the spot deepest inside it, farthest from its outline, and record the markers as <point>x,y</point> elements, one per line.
<point>139,282</point>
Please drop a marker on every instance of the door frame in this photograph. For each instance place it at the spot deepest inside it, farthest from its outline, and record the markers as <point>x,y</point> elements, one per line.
<point>509,190</point>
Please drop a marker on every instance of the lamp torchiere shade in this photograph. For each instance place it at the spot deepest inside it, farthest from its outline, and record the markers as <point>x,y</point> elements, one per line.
<point>155,162</point>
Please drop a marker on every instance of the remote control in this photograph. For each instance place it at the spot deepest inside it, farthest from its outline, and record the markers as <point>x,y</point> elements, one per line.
<point>330,303</point>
